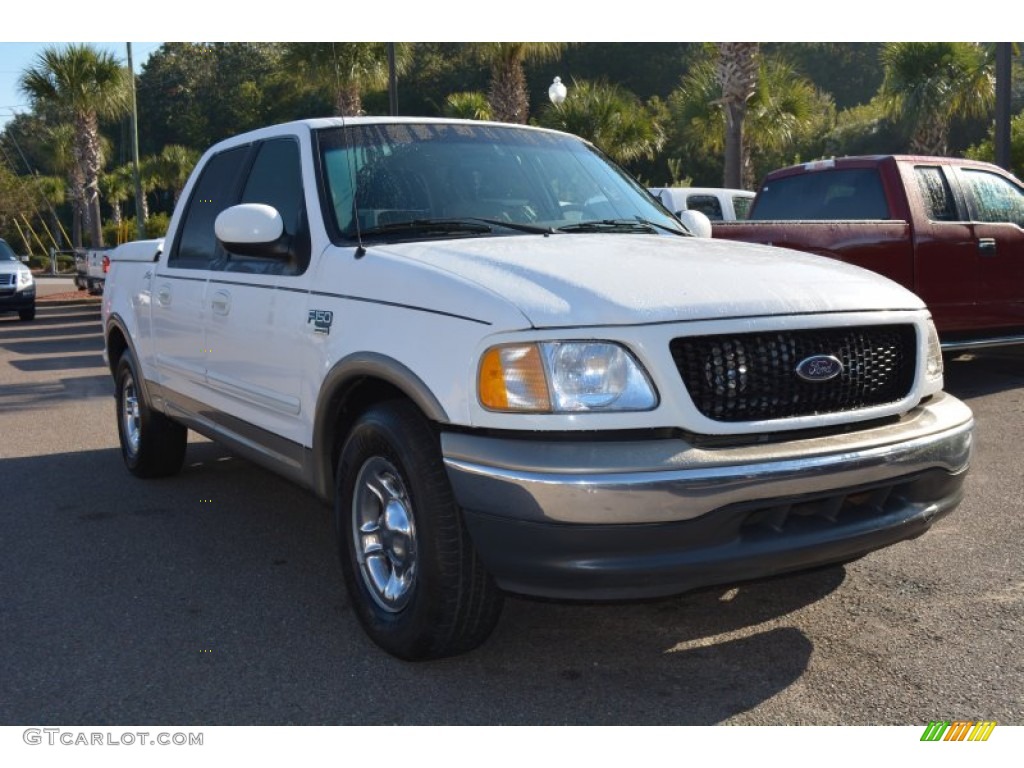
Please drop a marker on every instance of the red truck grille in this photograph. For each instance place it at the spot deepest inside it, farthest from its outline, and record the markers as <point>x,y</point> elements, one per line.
<point>753,377</point>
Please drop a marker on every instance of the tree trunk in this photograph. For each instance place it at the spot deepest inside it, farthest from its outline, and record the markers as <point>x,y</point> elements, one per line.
<point>507,96</point>
<point>77,189</point>
<point>349,102</point>
<point>931,137</point>
<point>734,116</point>
<point>76,224</point>
<point>737,71</point>
<point>58,235</point>
<point>89,158</point>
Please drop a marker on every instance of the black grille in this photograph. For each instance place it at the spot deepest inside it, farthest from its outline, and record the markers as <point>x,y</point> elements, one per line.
<point>752,377</point>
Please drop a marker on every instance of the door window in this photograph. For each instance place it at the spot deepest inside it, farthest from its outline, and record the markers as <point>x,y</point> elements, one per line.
<point>276,180</point>
<point>217,189</point>
<point>996,200</point>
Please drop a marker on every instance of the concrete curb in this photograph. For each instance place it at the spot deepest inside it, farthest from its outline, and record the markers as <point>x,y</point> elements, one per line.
<point>44,302</point>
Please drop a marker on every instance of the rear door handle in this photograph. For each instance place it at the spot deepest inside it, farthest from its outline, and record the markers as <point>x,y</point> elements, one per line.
<point>221,302</point>
<point>987,246</point>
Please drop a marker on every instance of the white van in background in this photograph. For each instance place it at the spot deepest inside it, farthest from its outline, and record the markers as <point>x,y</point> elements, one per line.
<point>716,204</point>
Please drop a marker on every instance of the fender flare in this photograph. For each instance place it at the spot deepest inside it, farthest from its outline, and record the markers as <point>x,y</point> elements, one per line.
<point>356,366</point>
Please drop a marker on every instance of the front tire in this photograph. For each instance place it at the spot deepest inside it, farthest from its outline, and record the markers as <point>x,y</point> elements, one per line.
<point>151,444</point>
<point>416,583</point>
<point>27,314</point>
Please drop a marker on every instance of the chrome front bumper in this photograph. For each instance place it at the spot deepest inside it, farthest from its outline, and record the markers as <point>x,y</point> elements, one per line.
<point>603,518</point>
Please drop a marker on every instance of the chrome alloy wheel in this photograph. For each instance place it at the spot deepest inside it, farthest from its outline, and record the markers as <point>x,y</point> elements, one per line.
<point>384,533</point>
<point>130,419</point>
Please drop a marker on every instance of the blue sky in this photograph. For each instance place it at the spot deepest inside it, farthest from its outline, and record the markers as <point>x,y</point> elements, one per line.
<point>15,58</point>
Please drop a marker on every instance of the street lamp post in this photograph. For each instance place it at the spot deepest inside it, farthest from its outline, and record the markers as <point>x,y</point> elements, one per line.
<point>557,92</point>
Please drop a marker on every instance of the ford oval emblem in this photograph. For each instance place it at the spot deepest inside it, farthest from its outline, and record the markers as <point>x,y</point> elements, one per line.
<point>819,368</point>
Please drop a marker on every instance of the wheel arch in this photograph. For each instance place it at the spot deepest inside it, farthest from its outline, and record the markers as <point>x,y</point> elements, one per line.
<point>118,339</point>
<point>355,383</point>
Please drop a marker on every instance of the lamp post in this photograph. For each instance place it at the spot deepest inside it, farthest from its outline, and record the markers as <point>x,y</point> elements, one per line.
<point>557,92</point>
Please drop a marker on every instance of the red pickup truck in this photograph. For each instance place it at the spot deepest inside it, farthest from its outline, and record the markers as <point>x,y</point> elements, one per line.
<point>950,230</point>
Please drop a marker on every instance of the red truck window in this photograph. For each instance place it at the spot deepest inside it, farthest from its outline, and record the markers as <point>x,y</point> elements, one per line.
<point>995,198</point>
<point>936,194</point>
<point>851,193</point>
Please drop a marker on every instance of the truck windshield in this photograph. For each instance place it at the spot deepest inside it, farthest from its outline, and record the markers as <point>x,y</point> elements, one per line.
<point>6,254</point>
<point>411,180</point>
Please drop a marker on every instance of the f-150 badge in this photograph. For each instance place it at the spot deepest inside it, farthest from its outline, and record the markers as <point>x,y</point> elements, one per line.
<point>321,320</point>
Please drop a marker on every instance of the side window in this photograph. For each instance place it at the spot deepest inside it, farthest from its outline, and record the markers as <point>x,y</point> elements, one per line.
<point>742,207</point>
<point>276,180</point>
<point>995,199</point>
<point>936,194</point>
<point>709,205</point>
<point>217,188</point>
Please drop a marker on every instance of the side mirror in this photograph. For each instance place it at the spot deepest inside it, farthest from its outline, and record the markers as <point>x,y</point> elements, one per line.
<point>253,229</point>
<point>696,222</point>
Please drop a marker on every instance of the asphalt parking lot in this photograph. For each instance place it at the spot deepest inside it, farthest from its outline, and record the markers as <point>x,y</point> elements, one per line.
<point>215,597</point>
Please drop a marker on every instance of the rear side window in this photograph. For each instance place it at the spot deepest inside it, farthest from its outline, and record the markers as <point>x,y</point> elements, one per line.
<point>742,207</point>
<point>854,193</point>
<point>709,205</point>
<point>217,189</point>
<point>995,199</point>
<point>936,194</point>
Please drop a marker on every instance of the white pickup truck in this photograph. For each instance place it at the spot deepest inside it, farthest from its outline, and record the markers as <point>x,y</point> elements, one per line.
<point>91,269</point>
<point>508,368</point>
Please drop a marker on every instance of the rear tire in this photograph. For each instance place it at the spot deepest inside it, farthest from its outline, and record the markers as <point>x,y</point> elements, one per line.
<point>152,445</point>
<point>414,578</point>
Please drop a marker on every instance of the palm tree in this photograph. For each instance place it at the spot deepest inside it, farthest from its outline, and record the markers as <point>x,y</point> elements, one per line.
<point>347,69</point>
<point>784,112</point>
<point>172,167</point>
<point>86,84</point>
<point>926,85</point>
<point>150,168</point>
<point>468,105</point>
<point>52,191</point>
<point>736,70</point>
<point>117,186</point>
<point>60,142</point>
<point>609,116</point>
<point>507,96</point>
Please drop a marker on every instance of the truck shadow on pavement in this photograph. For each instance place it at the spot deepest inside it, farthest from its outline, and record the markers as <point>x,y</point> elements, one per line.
<point>216,597</point>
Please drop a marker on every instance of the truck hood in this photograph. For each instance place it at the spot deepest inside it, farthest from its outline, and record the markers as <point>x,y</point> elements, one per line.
<point>628,279</point>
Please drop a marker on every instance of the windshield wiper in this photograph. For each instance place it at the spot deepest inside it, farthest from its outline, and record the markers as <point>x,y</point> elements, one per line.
<point>610,225</point>
<point>427,226</point>
<point>665,227</point>
<point>533,229</point>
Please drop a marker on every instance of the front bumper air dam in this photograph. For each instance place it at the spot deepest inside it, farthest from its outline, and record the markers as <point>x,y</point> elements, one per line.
<point>611,520</point>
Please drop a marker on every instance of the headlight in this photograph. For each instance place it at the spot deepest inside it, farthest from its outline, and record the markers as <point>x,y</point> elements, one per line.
<point>933,365</point>
<point>24,278</point>
<point>563,377</point>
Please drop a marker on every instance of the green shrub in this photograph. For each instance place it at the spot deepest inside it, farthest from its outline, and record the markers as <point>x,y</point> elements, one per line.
<point>156,226</point>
